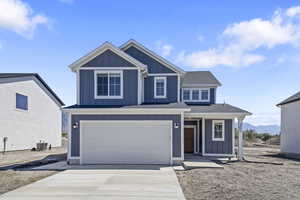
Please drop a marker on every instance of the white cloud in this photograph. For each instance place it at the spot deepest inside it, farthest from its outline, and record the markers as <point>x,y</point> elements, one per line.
<point>67,1</point>
<point>293,11</point>
<point>164,49</point>
<point>18,16</point>
<point>240,40</point>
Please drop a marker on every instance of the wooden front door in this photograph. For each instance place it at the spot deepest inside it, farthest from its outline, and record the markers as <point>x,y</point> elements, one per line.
<point>188,140</point>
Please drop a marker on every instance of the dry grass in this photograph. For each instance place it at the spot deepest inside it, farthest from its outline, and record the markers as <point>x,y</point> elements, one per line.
<point>241,180</point>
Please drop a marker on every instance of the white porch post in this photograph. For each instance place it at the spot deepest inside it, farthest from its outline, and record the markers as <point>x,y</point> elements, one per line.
<point>241,140</point>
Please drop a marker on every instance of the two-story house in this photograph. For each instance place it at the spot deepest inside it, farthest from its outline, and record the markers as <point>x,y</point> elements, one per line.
<point>135,107</point>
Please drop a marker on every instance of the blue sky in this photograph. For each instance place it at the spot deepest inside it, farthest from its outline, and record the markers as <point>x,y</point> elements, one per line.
<point>251,46</point>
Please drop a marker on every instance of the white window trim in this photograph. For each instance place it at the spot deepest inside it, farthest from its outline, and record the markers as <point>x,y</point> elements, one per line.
<point>213,130</point>
<point>200,95</point>
<point>108,72</point>
<point>156,78</point>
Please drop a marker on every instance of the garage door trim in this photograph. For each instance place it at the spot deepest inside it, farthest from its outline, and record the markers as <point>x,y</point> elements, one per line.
<point>155,122</point>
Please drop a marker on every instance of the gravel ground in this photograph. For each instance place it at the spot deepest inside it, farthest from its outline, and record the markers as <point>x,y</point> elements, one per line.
<point>243,180</point>
<point>10,179</point>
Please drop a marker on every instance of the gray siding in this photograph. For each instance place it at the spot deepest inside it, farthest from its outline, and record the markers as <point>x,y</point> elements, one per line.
<point>108,59</point>
<point>153,65</point>
<point>87,97</point>
<point>75,143</point>
<point>171,90</point>
<point>218,147</point>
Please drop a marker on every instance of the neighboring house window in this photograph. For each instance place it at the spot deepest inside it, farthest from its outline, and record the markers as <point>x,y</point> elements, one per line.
<point>21,102</point>
<point>108,84</point>
<point>218,130</point>
<point>195,95</point>
<point>160,87</point>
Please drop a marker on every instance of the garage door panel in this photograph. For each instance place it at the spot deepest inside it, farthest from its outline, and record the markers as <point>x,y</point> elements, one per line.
<point>138,142</point>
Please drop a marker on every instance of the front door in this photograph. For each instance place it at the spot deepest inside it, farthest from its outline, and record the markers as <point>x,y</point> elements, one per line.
<point>188,140</point>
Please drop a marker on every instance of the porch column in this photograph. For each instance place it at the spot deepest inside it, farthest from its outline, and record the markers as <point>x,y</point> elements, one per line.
<point>241,140</point>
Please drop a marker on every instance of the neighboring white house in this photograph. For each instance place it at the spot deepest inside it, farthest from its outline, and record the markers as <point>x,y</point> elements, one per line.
<point>30,112</point>
<point>290,121</point>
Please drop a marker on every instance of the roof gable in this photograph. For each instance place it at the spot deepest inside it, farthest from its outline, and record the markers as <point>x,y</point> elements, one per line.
<point>108,59</point>
<point>150,53</point>
<point>200,78</point>
<point>13,77</point>
<point>101,49</point>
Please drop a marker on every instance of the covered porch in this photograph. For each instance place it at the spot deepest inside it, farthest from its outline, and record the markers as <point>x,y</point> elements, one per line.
<point>209,130</point>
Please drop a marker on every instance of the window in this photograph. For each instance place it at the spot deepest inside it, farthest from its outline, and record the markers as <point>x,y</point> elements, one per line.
<point>196,95</point>
<point>218,130</point>
<point>21,102</point>
<point>186,94</point>
<point>108,84</point>
<point>160,87</point>
<point>204,94</point>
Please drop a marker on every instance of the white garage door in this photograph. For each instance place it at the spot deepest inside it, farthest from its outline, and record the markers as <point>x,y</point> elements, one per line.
<point>125,142</point>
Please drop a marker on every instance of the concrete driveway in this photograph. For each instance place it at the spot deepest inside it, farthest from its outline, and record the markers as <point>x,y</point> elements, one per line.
<point>124,182</point>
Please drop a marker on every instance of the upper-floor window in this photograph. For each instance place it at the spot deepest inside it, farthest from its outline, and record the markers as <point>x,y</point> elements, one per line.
<point>21,102</point>
<point>195,94</point>
<point>108,84</point>
<point>160,87</point>
<point>218,130</point>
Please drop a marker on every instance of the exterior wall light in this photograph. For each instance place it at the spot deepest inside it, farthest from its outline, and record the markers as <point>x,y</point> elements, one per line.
<point>176,125</point>
<point>75,125</point>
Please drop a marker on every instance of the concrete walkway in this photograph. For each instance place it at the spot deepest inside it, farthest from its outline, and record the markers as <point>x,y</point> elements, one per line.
<point>123,182</point>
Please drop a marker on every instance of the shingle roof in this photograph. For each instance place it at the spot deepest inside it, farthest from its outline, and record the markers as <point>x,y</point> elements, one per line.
<point>213,108</point>
<point>193,78</point>
<point>146,106</point>
<point>293,98</point>
<point>17,75</point>
<point>217,108</point>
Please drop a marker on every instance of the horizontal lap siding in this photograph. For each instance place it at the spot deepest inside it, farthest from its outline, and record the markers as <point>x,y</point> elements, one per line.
<point>75,142</point>
<point>87,96</point>
<point>218,147</point>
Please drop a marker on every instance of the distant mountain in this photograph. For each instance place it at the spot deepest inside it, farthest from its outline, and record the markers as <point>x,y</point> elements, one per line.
<point>272,129</point>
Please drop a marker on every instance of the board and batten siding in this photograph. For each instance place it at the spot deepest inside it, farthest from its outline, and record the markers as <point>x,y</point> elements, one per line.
<point>108,59</point>
<point>171,90</point>
<point>154,67</point>
<point>130,90</point>
<point>176,137</point>
<point>218,147</point>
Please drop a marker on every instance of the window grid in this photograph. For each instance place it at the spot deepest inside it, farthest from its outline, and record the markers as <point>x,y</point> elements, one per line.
<point>218,130</point>
<point>160,84</point>
<point>108,84</point>
<point>196,95</point>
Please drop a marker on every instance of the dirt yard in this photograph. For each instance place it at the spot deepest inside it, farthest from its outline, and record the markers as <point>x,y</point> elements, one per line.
<point>244,180</point>
<point>13,176</point>
<point>10,179</point>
